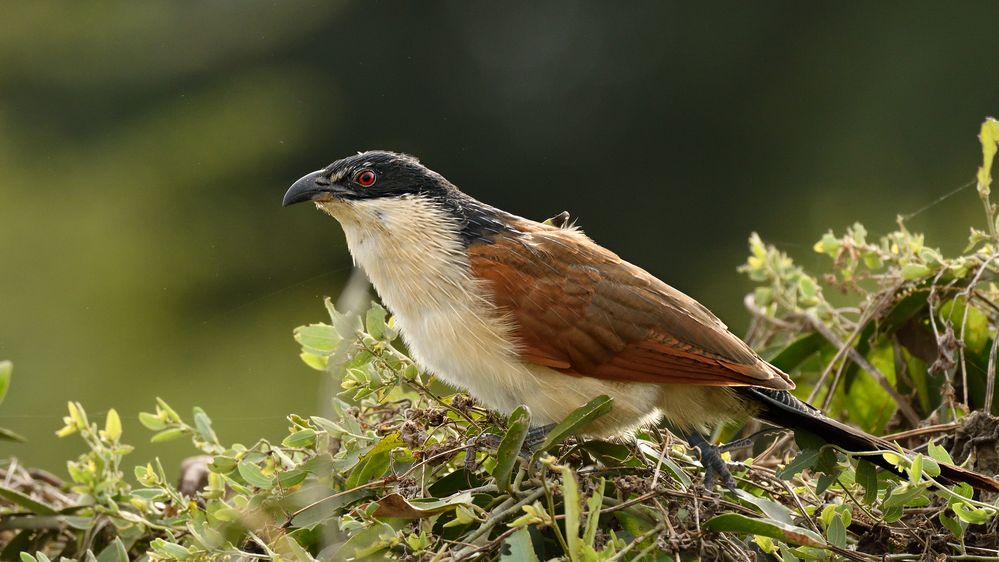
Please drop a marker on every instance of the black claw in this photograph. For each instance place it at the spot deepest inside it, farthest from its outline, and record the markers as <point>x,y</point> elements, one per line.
<point>536,436</point>
<point>711,460</point>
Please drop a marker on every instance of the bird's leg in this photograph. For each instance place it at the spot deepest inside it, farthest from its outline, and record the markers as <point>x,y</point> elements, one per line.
<point>480,441</point>
<point>750,440</point>
<point>535,436</point>
<point>711,460</point>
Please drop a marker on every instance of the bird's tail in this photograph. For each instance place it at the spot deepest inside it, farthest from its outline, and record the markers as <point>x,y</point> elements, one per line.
<point>781,408</point>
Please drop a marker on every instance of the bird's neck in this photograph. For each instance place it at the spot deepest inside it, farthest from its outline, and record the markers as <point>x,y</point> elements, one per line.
<point>411,248</point>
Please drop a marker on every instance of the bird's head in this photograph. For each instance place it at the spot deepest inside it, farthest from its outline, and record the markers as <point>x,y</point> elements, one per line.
<point>368,176</point>
<point>388,192</point>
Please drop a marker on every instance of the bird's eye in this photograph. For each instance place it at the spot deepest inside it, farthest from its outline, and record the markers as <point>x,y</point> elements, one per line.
<point>365,178</point>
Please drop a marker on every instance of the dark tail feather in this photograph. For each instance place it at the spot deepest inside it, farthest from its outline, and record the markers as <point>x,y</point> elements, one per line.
<point>781,408</point>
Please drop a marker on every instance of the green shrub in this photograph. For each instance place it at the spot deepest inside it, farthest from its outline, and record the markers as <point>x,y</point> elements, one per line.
<point>402,470</point>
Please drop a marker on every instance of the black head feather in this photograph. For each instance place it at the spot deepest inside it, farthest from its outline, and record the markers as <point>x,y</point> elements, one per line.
<point>398,175</point>
<point>395,174</point>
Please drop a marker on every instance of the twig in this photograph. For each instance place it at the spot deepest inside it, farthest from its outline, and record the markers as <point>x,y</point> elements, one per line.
<point>928,430</point>
<point>990,385</point>
<point>750,302</point>
<point>496,518</point>
<point>649,495</point>
<point>964,319</point>
<point>638,540</point>
<point>662,457</point>
<point>903,405</point>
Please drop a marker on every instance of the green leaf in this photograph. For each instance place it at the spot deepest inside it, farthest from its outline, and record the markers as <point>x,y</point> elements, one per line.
<point>375,463</point>
<point>737,523</point>
<point>905,495</point>
<point>254,476</point>
<point>576,420</point>
<point>867,476</point>
<point>112,425</point>
<point>805,459</point>
<point>808,288</point>
<point>930,467</point>
<point>836,533</point>
<point>793,354</point>
<point>151,421</point>
<point>509,448</point>
<point>114,552</point>
<point>829,245</point>
<point>953,525</point>
<point>916,469</point>
<point>222,464</point>
<point>203,425</point>
<point>6,369</point>
<point>291,478</point>
<point>317,339</point>
<point>168,435</point>
<point>976,329</point>
<point>572,507</point>
<point>8,435</point>
<point>518,547</point>
<point>366,543</point>
<point>302,438</point>
<point>322,509</point>
<point>317,362</point>
<point>149,493</point>
<point>912,271</point>
<point>374,321</point>
<point>26,501</point>
<point>970,514</point>
<point>173,550</point>
<point>770,508</point>
<point>938,453</point>
<point>989,135</point>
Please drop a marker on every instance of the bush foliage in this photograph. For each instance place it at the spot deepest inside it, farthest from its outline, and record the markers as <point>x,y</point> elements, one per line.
<point>894,337</point>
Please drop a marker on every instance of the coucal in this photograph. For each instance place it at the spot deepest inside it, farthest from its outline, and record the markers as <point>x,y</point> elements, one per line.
<point>520,312</point>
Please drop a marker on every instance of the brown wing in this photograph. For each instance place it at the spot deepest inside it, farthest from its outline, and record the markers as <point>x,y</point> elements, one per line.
<point>580,309</point>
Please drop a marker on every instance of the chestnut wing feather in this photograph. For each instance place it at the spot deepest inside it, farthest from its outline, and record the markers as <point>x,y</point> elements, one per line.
<point>580,309</point>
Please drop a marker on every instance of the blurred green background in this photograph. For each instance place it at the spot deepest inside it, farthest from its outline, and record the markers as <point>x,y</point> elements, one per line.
<point>145,147</point>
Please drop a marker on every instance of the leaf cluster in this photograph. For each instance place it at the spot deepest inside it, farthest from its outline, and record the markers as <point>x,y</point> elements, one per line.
<point>893,336</point>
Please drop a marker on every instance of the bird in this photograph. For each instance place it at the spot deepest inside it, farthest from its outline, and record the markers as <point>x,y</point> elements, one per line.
<point>519,312</point>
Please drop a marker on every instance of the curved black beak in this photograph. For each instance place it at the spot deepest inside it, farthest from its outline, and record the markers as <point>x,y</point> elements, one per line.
<point>308,188</point>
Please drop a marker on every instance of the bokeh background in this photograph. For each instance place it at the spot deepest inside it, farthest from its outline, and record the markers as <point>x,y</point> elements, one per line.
<point>145,147</point>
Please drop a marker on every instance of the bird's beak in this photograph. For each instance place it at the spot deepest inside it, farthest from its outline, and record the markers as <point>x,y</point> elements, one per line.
<point>308,188</point>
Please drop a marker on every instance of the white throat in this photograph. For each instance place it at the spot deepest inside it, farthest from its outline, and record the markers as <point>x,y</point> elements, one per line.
<point>413,254</point>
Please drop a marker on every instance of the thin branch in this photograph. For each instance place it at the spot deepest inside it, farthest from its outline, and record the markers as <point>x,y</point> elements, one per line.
<point>990,385</point>
<point>928,430</point>
<point>903,405</point>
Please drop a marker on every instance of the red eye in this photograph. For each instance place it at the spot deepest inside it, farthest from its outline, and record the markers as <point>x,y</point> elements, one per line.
<point>366,178</point>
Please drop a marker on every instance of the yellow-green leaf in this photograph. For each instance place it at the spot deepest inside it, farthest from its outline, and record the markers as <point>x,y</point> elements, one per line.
<point>112,425</point>
<point>989,136</point>
<point>6,369</point>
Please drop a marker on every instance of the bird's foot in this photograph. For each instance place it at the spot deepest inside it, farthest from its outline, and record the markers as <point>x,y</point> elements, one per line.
<point>750,440</point>
<point>535,437</point>
<point>711,460</point>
